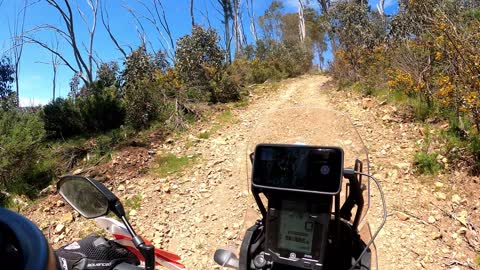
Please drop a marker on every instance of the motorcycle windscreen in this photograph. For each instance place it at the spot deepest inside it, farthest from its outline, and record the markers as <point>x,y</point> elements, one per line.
<point>303,127</point>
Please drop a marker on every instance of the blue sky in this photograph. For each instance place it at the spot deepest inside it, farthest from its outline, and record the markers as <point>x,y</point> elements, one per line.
<point>36,77</point>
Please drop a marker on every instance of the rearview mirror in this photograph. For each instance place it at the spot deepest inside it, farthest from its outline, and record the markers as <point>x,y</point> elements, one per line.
<point>89,197</point>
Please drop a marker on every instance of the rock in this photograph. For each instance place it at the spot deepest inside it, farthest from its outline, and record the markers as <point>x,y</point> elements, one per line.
<point>471,237</point>
<point>462,231</point>
<point>456,198</point>
<point>386,118</point>
<point>229,234</point>
<point>367,103</point>
<point>157,241</point>
<point>48,190</point>
<point>402,216</point>
<point>436,235</point>
<point>101,179</point>
<point>93,173</point>
<point>462,217</point>
<point>219,141</point>
<point>77,171</point>
<point>440,196</point>
<point>67,218</point>
<point>60,228</point>
<point>121,188</point>
<point>44,225</point>
<point>132,213</point>
<point>439,184</point>
<point>402,165</point>
<point>431,219</point>
<point>60,203</point>
<point>170,141</point>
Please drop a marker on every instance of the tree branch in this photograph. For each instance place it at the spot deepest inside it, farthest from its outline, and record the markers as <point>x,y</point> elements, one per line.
<point>55,52</point>
<point>109,31</point>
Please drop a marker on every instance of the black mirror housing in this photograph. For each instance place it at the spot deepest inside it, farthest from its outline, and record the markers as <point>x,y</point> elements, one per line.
<point>91,186</point>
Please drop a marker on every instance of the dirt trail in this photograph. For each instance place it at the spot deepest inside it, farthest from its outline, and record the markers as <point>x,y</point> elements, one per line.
<point>202,208</point>
<point>218,213</point>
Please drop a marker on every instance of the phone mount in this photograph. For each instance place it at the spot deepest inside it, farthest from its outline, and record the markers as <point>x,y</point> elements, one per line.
<point>302,225</point>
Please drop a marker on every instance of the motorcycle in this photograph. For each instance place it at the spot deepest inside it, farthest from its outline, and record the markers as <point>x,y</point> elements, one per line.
<point>94,201</point>
<point>311,211</point>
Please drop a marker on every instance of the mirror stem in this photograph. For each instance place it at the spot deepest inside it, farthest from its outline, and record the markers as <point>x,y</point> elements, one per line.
<point>148,251</point>
<point>129,227</point>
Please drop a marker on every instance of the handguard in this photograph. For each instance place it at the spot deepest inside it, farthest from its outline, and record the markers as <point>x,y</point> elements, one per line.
<point>121,235</point>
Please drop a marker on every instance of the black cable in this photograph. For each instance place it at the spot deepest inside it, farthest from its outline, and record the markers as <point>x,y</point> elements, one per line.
<point>384,220</point>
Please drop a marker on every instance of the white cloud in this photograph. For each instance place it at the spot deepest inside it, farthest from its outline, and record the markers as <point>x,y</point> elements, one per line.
<point>30,102</point>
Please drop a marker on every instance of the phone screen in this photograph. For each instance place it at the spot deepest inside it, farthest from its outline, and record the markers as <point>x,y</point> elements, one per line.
<point>307,168</point>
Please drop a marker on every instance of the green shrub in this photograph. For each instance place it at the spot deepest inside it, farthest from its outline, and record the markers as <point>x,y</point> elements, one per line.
<point>199,62</point>
<point>427,163</point>
<point>23,168</point>
<point>141,104</point>
<point>228,89</point>
<point>421,109</point>
<point>62,119</point>
<point>474,149</point>
<point>102,111</point>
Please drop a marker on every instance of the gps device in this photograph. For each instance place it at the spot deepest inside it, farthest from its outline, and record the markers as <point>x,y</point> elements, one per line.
<point>297,231</point>
<point>311,169</point>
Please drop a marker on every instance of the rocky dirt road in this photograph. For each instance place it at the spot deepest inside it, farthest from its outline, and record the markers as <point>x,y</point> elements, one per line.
<point>194,212</point>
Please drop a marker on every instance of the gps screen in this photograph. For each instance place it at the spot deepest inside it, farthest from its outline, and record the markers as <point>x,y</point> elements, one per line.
<point>296,228</point>
<point>307,168</point>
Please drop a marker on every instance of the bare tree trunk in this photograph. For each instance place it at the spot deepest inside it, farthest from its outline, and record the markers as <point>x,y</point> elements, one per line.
<point>55,63</point>
<point>380,7</point>
<point>237,28</point>
<point>251,15</point>
<point>54,79</point>
<point>16,35</point>
<point>301,21</point>
<point>226,11</point>
<point>191,13</point>
<point>93,4</point>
